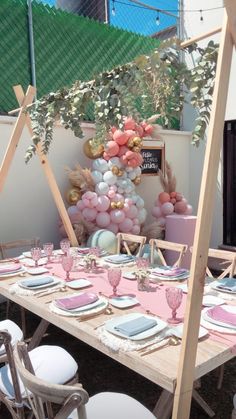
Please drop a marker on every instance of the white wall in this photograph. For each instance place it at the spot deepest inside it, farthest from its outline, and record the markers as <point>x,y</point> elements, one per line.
<point>194,27</point>
<point>27,208</point>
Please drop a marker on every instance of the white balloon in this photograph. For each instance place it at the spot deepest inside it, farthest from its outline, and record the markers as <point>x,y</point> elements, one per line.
<point>124,176</point>
<point>138,171</point>
<point>134,198</point>
<point>109,178</point>
<point>142,215</point>
<point>140,202</point>
<point>102,188</point>
<point>132,175</point>
<point>101,165</point>
<point>97,176</point>
<point>120,190</point>
<point>129,169</point>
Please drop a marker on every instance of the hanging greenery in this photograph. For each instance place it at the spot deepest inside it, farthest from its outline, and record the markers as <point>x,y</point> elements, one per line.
<point>151,84</point>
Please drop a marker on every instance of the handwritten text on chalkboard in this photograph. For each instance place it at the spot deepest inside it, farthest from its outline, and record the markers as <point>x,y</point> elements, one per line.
<point>153,160</point>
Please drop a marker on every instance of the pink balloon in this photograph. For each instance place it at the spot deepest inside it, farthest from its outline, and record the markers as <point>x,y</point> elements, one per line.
<point>156,212</point>
<point>189,210</point>
<point>118,197</point>
<point>158,203</point>
<point>73,213</point>
<point>167,208</point>
<point>111,193</point>
<point>126,225</point>
<point>129,201</point>
<point>117,216</point>
<point>180,207</point>
<point>135,229</point>
<point>136,221</point>
<point>103,203</point>
<point>132,212</point>
<point>89,213</point>
<point>113,227</point>
<point>63,231</point>
<point>113,188</point>
<point>80,205</point>
<point>126,207</point>
<point>103,219</point>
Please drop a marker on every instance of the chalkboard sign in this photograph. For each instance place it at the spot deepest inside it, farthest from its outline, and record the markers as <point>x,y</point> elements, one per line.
<point>153,160</point>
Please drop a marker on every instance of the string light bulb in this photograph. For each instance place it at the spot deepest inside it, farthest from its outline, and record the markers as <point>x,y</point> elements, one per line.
<point>201,16</point>
<point>113,11</point>
<point>158,19</point>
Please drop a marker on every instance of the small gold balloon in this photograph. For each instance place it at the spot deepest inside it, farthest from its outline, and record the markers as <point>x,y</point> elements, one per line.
<point>120,205</point>
<point>91,152</point>
<point>113,205</point>
<point>120,173</point>
<point>137,180</point>
<point>136,148</point>
<point>73,195</point>
<point>115,170</point>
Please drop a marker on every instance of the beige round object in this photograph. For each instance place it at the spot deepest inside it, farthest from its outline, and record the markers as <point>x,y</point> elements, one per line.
<point>73,195</point>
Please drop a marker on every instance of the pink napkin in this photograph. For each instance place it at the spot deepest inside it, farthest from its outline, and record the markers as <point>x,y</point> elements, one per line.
<point>71,303</point>
<point>220,314</point>
<point>10,267</point>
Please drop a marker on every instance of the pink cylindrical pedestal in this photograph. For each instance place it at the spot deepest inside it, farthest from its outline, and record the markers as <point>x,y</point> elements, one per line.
<point>180,229</point>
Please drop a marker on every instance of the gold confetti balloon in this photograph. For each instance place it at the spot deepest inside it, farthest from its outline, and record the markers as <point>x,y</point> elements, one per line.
<point>73,195</point>
<point>137,180</point>
<point>92,152</point>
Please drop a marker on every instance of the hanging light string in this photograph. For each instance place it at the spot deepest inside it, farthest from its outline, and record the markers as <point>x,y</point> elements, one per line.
<point>140,5</point>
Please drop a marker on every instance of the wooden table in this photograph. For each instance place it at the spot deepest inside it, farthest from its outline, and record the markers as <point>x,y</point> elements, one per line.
<point>160,367</point>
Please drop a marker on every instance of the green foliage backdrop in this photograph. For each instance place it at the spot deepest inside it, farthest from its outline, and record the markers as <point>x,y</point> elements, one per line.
<point>67,48</point>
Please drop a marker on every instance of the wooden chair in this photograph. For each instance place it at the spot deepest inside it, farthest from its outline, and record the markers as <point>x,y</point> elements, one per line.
<point>73,399</point>
<point>123,238</point>
<point>160,245</point>
<point>44,358</point>
<point>6,252</point>
<point>222,261</point>
<point>20,245</point>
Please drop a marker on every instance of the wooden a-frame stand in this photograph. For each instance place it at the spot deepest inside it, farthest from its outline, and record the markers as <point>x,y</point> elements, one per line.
<point>22,119</point>
<point>185,378</point>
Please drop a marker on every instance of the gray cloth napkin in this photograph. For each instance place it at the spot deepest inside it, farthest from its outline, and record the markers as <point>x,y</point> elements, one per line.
<point>35,282</point>
<point>227,284</point>
<point>136,326</point>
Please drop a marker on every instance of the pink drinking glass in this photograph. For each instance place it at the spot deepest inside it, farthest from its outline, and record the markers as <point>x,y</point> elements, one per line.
<point>114,277</point>
<point>142,263</point>
<point>65,245</point>
<point>67,263</point>
<point>174,298</point>
<point>48,249</point>
<point>36,253</point>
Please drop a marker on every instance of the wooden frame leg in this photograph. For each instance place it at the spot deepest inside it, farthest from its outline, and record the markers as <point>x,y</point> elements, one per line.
<point>203,404</point>
<point>164,405</point>
<point>38,334</point>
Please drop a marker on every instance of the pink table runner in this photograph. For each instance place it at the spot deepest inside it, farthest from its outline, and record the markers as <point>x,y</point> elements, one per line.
<point>153,300</point>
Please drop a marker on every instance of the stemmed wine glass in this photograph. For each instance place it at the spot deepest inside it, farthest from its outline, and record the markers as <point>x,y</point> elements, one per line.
<point>114,277</point>
<point>36,253</point>
<point>65,246</point>
<point>48,249</point>
<point>174,298</point>
<point>67,263</point>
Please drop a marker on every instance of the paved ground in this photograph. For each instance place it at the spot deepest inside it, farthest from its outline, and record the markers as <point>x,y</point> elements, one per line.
<point>100,373</point>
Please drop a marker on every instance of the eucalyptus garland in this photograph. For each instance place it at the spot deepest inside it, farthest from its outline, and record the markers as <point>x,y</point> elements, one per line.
<point>151,84</point>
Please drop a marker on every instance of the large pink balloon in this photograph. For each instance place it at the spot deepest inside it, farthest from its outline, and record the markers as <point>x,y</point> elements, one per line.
<point>103,203</point>
<point>103,219</point>
<point>167,208</point>
<point>73,213</point>
<point>180,207</point>
<point>132,212</point>
<point>113,227</point>
<point>117,216</point>
<point>156,212</point>
<point>80,205</point>
<point>118,197</point>
<point>89,213</point>
<point>135,229</point>
<point>126,225</point>
<point>189,210</point>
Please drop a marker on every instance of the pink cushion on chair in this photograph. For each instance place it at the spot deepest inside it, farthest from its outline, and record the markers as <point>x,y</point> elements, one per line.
<point>51,363</point>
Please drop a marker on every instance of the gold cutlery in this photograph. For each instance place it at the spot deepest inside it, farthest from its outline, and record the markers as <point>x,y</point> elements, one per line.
<point>172,341</point>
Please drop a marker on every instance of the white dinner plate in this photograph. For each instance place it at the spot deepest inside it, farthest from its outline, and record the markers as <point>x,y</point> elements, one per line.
<point>111,324</point>
<point>211,300</point>
<point>129,275</point>
<point>78,283</point>
<point>36,270</point>
<point>230,309</point>
<point>213,326</point>
<point>15,273</point>
<point>31,263</point>
<point>214,284</point>
<point>169,278</point>
<point>123,301</point>
<point>29,255</point>
<point>87,312</point>
<point>178,331</point>
<point>183,287</point>
<point>37,287</point>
